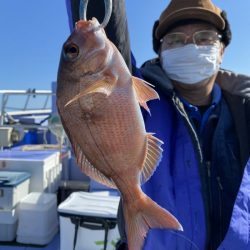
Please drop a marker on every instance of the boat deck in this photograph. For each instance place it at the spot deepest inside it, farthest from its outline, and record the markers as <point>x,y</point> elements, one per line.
<point>53,245</point>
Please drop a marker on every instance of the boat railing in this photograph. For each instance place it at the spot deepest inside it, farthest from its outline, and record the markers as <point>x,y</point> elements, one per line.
<point>23,108</point>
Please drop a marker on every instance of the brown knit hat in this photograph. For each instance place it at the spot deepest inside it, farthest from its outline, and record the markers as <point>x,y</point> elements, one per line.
<point>179,10</point>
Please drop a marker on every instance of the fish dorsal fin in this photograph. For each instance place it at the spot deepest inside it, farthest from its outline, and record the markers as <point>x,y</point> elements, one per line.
<point>144,92</point>
<point>89,169</point>
<point>153,157</point>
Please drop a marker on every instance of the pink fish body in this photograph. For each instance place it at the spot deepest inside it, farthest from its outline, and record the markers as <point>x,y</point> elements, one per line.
<point>98,102</point>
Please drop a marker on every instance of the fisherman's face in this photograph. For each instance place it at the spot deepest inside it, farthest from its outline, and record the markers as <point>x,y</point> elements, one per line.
<point>191,31</point>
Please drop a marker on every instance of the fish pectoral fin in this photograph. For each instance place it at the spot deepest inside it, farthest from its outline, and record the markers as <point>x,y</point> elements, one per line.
<point>153,157</point>
<point>144,92</point>
<point>102,86</point>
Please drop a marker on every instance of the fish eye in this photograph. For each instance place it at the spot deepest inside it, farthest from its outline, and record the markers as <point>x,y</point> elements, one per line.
<point>71,51</point>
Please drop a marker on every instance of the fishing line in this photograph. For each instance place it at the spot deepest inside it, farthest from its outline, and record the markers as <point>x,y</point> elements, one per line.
<point>108,11</point>
<point>185,238</point>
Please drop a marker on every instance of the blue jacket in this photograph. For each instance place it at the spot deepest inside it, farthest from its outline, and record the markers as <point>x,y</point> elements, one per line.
<point>178,183</point>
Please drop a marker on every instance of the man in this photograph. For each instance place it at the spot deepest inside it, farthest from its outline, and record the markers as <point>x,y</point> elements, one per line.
<point>203,117</point>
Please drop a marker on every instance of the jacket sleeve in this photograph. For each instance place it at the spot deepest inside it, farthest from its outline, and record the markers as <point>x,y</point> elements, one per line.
<point>237,236</point>
<point>117,28</point>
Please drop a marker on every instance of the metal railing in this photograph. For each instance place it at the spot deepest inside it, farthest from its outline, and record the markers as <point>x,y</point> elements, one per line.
<point>23,109</point>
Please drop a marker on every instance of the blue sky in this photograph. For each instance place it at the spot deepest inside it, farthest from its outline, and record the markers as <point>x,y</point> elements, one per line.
<point>33,31</point>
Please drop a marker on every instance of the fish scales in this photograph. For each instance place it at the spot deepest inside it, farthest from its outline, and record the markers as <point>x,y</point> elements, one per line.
<point>107,137</point>
<point>99,104</point>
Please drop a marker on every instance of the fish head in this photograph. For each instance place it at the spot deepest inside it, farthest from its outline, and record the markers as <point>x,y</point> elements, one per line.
<point>85,52</point>
<point>85,47</point>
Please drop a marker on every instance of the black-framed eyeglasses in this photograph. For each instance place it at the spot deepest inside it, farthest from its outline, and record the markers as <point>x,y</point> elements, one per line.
<point>202,37</point>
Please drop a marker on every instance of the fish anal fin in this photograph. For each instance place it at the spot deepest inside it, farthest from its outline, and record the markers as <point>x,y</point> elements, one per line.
<point>89,169</point>
<point>152,158</point>
<point>144,92</point>
<point>103,86</point>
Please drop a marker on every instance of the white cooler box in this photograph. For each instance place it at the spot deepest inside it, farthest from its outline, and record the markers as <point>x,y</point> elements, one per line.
<point>38,219</point>
<point>88,221</point>
<point>44,167</point>
<point>14,186</point>
<point>8,224</point>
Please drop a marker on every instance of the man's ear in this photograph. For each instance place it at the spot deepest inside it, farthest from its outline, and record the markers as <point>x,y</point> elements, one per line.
<point>156,42</point>
<point>222,50</point>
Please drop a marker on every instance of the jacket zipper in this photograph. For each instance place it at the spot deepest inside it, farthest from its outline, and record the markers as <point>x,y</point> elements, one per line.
<point>210,197</point>
<point>220,206</point>
<point>204,172</point>
<point>208,165</point>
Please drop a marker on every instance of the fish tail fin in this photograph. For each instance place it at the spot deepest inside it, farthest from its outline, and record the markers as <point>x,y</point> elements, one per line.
<point>143,214</point>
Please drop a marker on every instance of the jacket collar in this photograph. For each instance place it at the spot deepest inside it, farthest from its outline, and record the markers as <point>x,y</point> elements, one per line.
<point>236,84</point>
<point>153,73</point>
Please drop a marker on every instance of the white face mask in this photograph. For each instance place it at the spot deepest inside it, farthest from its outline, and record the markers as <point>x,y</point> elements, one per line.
<point>191,64</point>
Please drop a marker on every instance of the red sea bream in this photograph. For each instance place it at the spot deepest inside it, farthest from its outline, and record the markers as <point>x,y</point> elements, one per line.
<point>99,104</point>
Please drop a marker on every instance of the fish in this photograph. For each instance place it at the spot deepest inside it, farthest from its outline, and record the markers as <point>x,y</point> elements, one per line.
<point>99,103</point>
